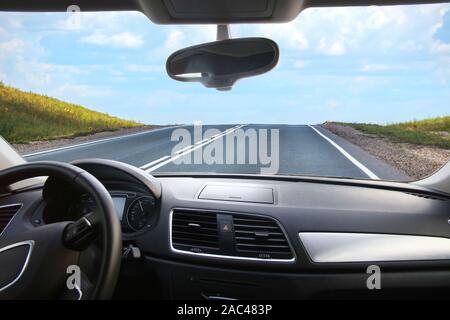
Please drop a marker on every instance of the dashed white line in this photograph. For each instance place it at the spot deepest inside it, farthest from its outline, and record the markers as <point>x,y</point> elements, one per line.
<point>348,156</point>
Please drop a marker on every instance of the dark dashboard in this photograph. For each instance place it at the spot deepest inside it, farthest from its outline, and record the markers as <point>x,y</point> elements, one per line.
<point>214,237</point>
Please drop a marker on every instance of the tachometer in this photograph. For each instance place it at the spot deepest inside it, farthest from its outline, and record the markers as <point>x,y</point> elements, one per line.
<point>141,212</point>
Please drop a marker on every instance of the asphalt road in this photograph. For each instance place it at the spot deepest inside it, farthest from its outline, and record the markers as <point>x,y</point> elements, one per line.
<point>299,149</point>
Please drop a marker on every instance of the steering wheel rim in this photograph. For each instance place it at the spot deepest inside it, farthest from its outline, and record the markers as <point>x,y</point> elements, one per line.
<point>105,220</point>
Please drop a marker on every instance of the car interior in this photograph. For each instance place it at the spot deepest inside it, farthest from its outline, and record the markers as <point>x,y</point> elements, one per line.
<point>216,236</point>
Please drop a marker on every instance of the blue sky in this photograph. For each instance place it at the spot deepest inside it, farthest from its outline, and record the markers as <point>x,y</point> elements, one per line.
<point>375,64</point>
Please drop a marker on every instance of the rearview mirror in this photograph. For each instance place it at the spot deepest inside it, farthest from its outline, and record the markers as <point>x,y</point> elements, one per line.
<point>220,64</point>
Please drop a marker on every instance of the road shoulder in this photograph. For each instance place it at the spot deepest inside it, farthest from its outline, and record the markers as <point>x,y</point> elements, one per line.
<point>380,167</point>
<point>415,161</point>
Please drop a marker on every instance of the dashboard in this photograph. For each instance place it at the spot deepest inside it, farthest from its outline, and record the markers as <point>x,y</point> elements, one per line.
<point>243,237</point>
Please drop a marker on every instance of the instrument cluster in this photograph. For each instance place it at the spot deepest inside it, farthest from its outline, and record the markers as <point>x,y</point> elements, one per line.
<point>136,211</point>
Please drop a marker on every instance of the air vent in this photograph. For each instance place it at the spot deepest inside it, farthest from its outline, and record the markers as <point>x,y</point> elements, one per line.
<point>260,237</point>
<point>427,196</point>
<point>229,235</point>
<point>195,231</point>
<point>6,215</point>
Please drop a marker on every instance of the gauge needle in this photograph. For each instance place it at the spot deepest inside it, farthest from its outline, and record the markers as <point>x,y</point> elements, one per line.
<point>141,205</point>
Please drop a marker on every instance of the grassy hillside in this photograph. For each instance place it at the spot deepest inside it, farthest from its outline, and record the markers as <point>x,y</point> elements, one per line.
<point>433,131</point>
<point>26,116</point>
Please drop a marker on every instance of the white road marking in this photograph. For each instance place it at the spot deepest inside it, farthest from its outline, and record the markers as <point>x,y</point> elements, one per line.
<point>154,162</point>
<point>93,142</point>
<point>182,150</point>
<point>191,148</point>
<point>348,156</point>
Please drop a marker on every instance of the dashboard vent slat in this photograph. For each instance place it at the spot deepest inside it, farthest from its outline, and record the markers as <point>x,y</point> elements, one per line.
<point>260,237</point>
<point>6,215</point>
<point>195,231</point>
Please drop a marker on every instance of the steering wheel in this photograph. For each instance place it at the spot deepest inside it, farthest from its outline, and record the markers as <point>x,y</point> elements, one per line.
<point>37,263</point>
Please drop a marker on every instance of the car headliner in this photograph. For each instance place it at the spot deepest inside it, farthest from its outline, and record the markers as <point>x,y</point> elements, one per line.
<point>201,11</point>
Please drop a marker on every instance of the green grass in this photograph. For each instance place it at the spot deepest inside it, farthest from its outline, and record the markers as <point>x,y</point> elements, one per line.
<point>26,117</point>
<point>433,131</point>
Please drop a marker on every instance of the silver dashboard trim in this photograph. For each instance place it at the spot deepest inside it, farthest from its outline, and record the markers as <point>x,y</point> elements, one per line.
<point>15,214</point>
<point>329,247</point>
<point>87,222</point>
<point>29,243</point>
<point>225,257</point>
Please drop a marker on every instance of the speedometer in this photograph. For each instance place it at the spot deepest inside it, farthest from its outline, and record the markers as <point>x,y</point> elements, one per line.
<point>141,212</point>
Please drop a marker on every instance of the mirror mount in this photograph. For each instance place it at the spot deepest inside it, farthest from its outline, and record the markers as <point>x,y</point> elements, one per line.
<point>223,32</point>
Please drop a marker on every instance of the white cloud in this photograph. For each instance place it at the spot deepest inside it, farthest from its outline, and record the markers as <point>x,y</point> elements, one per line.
<point>118,40</point>
<point>300,64</point>
<point>289,32</point>
<point>10,21</point>
<point>12,47</point>
<point>296,38</point>
<point>377,20</point>
<point>381,67</point>
<point>335,48</point>
<point>362,30</point>
<point>174,39</point>
<point>144,68</point>
<point>440,47</point>
<point>99,21</point>
<point>190,35</point>
<point>332,104</point>
<point>34,74</point>
<point>20,68</point>
<point>81,90</point>
<point>180,37</point>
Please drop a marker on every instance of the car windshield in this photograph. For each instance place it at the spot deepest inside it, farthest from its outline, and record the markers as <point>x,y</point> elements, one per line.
<point>360,92</point>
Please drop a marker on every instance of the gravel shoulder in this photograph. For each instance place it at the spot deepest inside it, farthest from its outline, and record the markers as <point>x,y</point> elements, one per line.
<point>416,161</point>
<point>35,146</point>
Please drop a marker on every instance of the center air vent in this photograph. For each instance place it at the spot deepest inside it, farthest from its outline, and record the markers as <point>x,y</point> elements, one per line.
<point>229,235</point>
<point>195,231</point>
<point>6,215</point>
<point>260,237</point>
